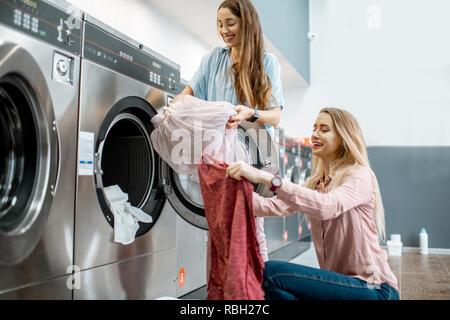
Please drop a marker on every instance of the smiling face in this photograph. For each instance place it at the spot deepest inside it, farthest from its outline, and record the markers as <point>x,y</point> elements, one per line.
<point>326,141</point>
<point>229,27</point>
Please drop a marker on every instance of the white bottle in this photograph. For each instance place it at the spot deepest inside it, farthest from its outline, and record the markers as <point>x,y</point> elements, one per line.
<point>423,241</point>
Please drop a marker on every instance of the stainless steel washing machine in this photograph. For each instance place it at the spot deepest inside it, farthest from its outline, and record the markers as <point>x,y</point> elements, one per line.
<point>123,85</point>
<point>293,174</point>
<point>305,173</point>
<point>40,46</point>
<point>298,169</point>
<point>186,203</point>
<point>274,226</point>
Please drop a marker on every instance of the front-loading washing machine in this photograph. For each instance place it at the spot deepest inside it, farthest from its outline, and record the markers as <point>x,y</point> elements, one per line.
<point>305,173</point>
<point>123,85</point>
<point>293,174</point>
<point>40,46</point>
<point>274,226</point>
<point>298,169</point>
<point>186,203</point>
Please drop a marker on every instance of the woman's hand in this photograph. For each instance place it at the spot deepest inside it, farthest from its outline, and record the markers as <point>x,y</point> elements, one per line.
<point>244,113</point>
<point>178,97</point>
<point>239,170</point>
<point>187,91</point>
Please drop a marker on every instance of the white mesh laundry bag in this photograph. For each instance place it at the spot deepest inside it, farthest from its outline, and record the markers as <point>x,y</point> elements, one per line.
<point>192,127</point>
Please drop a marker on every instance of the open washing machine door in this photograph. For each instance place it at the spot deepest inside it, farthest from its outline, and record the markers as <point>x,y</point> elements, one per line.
<point>184,193</point>
<point>125,157</point>
<point>29,147</point>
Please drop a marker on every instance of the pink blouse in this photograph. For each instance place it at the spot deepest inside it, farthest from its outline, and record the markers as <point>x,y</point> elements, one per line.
<point>342,224</point>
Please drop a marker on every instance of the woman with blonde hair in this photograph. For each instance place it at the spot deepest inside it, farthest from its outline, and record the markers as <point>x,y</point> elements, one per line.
<point>342,202</point>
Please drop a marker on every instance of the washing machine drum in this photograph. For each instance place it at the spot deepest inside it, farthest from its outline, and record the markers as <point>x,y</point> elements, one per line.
<point>28,156</point>
<point>125,157</point>
<point>184,192</point>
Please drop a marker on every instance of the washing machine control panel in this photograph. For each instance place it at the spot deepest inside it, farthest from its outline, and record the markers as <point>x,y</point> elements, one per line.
<point>43,21</point>
<point>109,51</point>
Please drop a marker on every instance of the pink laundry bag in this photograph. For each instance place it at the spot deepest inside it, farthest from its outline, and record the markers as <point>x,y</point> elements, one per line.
<point>192,127</point>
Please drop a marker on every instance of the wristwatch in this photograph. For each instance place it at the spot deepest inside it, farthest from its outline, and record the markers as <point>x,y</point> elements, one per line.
<point>255,116</point>
<point>276,183</point>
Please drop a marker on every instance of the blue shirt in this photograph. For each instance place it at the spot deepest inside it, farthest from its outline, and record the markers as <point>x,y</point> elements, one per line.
<point>213,82</point>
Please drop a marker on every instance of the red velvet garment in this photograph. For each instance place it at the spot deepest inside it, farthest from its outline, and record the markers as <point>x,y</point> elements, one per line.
<point>236,263</point>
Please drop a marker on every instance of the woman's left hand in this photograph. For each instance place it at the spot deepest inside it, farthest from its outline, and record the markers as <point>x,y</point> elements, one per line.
<point>239,170</point>
<point>244,113</point>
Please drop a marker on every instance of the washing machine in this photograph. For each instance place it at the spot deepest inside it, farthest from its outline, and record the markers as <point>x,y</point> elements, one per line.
<point>123,85</point>
<point>298,169</point>
<point>306,159</point>
<point>185,199</point>
<point>305,173</point>
<point>40,46</point>
<point>293,174</point>
<point>274,226</point>
<point>186,203</point>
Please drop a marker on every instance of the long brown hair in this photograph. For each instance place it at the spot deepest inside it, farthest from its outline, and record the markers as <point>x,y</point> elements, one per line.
<point>352,153</point>
<point>251,83</point>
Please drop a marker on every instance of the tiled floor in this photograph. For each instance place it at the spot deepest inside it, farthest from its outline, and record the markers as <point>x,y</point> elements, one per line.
<point>420,277</point>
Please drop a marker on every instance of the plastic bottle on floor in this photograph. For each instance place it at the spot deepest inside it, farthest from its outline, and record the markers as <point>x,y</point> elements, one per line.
<point>423,241</point>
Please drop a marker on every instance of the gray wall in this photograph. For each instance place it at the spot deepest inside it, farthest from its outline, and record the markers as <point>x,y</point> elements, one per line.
<point>415,186</point>
<point>286,24</point>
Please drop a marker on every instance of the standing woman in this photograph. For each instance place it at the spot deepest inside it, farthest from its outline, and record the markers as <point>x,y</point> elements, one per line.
<point>241,73</point>
<point>343,203</point>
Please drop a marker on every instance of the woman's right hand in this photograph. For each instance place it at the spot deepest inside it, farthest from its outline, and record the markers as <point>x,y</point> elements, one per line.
<point>186,91</point>
<point>178,97</point>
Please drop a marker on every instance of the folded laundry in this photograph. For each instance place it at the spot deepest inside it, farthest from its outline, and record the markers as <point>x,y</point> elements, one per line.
<point>192,127</point>
<point>126,217</point>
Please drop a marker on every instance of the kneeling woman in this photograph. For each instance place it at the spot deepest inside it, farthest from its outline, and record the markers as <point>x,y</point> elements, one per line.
<point>343,204</point>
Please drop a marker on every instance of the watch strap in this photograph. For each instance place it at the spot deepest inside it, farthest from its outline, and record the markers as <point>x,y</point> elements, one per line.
<point>274,187</point>
<point>254,117</point>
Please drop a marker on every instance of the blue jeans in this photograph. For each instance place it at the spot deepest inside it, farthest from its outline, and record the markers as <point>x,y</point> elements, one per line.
<point>289,281</point>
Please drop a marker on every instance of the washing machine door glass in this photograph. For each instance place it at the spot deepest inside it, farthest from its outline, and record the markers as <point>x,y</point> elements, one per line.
<point>28,165</point>
<point>12,162</point>
<point>19,159</point>
<point>189,189</point>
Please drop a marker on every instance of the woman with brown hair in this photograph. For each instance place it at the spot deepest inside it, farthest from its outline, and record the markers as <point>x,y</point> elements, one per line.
<point>241,73</point>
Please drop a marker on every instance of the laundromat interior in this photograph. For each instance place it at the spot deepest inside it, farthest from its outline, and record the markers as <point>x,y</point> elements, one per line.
<point>81,81</point>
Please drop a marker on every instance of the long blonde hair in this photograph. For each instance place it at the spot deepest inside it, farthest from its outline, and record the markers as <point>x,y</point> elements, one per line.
<point>251,82</point>
<point>352,152</point>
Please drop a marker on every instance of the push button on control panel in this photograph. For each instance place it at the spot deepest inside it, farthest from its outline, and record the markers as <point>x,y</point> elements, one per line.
<point>172,82</point>
<point>62,68</point>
